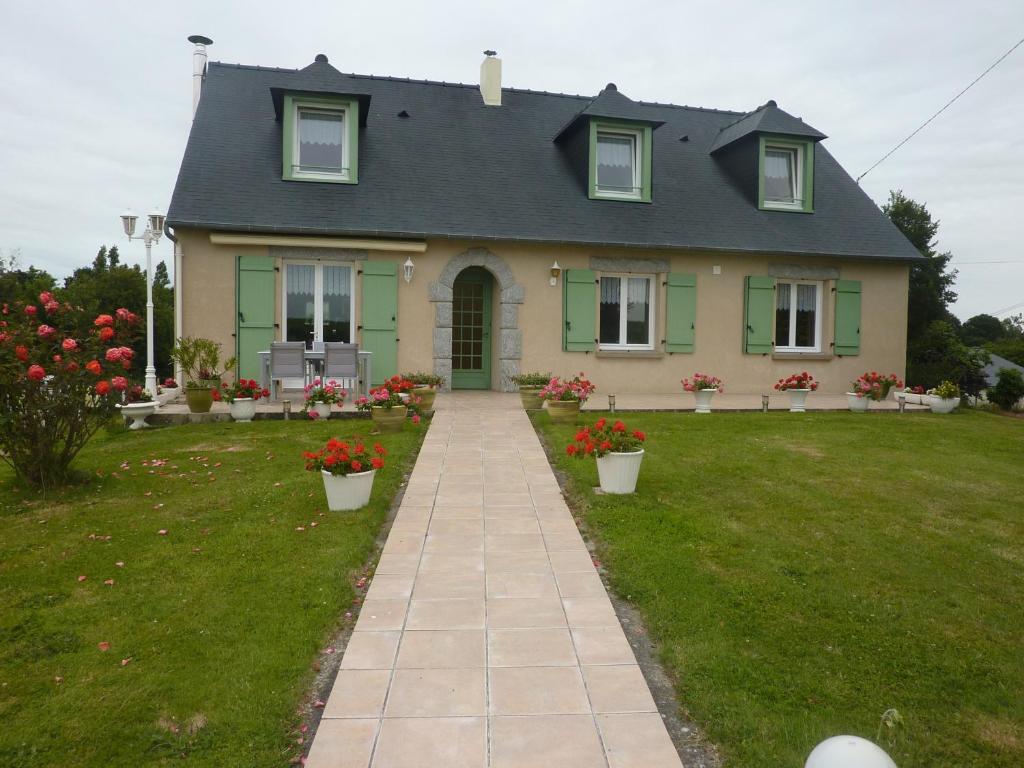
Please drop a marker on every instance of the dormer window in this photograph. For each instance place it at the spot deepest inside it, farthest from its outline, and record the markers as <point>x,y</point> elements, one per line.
<point>620,161</point>
<point>320,139</point>
<point>787,175</point>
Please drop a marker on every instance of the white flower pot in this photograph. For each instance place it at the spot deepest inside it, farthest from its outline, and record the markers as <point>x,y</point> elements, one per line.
<point>322,410</point>
<point>243,409</point>
<point>348,491</point>
<point>703,397</point>
<point>798,400</point>
<point>137,413</point>
<point>943,404</point>
<point>617,472</point>
<point>858,403</point>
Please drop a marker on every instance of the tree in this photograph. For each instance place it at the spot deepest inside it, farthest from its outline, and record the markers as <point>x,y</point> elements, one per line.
<point>1008,390</point>
<point>938,355</point>
<point>18,284</point>
<point>980,329</point>
<point>931,285</point>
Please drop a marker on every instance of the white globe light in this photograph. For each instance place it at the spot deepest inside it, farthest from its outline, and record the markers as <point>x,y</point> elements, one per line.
<point>848,752</point>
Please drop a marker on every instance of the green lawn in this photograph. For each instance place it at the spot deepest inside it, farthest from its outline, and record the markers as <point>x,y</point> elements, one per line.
<point>221,618</point>
<point>805,573</point>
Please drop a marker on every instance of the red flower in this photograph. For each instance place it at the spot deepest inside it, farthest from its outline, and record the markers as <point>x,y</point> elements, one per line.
<point>120,383</point>
<point>102,387</point>
<point>69,345</point>
<point>71,367</point>
<point>36,372</point>
<point>46,331</point>
<point>571,449</point>
<point>639,435</point>
<point>45,297</point>
<point>379,450</point>
<point>30,310</point>
<point>215,394</point>
<point>619,427</point>
<point>106,333</point>
<point>122,313</point>
<point>51,306</point>
<point>21,353</point>
<point>377,462</point>
<point>103,321</point>
<point>113,354</point>
<point>356,466</point>
<point>331,460</point>
<point>94,367</point>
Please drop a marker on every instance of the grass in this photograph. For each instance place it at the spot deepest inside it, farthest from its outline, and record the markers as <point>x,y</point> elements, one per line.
<point>221,619</point>
<point>804,574</point>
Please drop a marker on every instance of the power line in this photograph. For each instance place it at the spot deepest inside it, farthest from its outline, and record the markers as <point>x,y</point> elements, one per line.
<point>1008,309</point>
<point>1008,261</point>
<point>947,104</point>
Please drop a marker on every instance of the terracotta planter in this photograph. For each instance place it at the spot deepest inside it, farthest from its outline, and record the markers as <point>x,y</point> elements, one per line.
<point>137,413</point>
<point>798,400</point>
<point>199,399</point>
<point>346,492</point>
<point>617,472</point>
<point>530,398</point>
<point>703,398</point>
<point>242,409</point>
<point>389,419</point>
<point>426,396</point>
<point>858,404</point>
<point>322,410</point>
<point>564,411</point>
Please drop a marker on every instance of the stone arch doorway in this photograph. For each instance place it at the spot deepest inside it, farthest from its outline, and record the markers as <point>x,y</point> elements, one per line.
<point>506,336</point>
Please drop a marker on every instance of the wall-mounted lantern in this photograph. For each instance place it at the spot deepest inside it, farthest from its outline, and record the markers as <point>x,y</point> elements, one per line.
<point>408,267</point>
<point>556,272</point>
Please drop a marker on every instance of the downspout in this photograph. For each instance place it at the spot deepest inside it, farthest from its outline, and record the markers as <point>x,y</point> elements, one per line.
<point>179,255</point>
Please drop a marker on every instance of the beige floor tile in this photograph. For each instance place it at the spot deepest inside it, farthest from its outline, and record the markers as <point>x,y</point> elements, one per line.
<point>456,526</point>
<point>571,562</point>
<point>370,650</point>
<point>460,499</point>
<point>521,585</point>
<point>524,612</point>
<point>418,499</point>
<point>537,691</point>
<point>507,512</point>
<point>564,542</point>
<point>397,565</point>
<point>411,512</point>
<point>580,584</point>
<point>590,612</point>
<point>444,562</point>
<point>426,742</point>
<point>403,528</point>
<point>618,688</point>
<point>403,545</point>
<point>443,649</point>
<point>342,744</point>
<point>517,562</point>
<point>378,615</point>
<point>546,741</point>
<point>446,614</point>
<point>514,542</point>
<point>434,586</point>
<point>530,648</point>
<point>436,693</point>
<point>454,543</point>
<point>602,645</point>
<point>471,512</point>
<point>504,525</point>
<point>637,741</point>
<point>507,499</point>
<point>563,527</point>
<point>358,693</point>
<point>389,587</point>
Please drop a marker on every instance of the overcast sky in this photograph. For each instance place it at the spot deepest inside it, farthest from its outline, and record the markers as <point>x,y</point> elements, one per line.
<point>97,95</point>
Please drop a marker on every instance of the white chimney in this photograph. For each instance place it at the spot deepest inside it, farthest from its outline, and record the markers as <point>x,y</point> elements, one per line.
<point>490,79</point>
<point>198,68</point>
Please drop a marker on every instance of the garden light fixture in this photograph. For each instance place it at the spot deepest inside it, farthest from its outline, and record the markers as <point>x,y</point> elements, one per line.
<point>848,752</point>
<point>154,228</point>
<point>408,267</point>
<point>556,272</point>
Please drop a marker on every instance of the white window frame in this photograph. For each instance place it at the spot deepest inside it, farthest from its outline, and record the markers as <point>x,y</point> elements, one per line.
<point>623,278</point>
<point>346,155</point>
<point>818,304</point>
<point>797,151</point>
<point>638,173</point>
<point>318,292</point>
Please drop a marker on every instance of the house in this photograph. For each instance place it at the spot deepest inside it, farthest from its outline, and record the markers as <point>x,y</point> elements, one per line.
<point>477,231</point>
<point>995,365</point>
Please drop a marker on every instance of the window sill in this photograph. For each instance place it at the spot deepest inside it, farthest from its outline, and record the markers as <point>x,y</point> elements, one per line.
<point>802,355</point>
<point>649,354</point>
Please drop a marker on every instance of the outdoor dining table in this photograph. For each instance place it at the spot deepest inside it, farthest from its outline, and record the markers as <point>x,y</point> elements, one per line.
<point>315,359</point>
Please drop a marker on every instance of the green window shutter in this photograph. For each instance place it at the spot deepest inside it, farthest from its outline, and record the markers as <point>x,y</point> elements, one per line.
<point>380,317</point>
<point>758,313</point>
<point>579,310</point>
<point>254,325</point>
<point>681,312</point>
<point>847,339</point>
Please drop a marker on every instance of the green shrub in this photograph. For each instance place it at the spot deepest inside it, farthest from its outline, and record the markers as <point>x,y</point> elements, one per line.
<point>1009,389</point>
<point>946,390</point>
<point>532,379</point>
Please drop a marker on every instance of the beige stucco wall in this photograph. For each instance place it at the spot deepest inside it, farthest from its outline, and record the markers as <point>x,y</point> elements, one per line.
<point>208,306</point>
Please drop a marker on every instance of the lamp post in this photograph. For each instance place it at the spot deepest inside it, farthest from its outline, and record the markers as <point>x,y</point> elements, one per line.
<point>154,229</point>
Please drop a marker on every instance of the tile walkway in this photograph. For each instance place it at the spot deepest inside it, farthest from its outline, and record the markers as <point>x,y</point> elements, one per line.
<point>487,637</point>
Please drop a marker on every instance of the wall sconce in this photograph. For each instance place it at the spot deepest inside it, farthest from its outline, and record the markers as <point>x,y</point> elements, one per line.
<point>556,272</point>
<point>408,267</point>
<point>764,403</point>
<point>611,403</point>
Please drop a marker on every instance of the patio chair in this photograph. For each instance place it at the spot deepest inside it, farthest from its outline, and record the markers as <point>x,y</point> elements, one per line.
<point>341,363</point>
<point>287,361</point>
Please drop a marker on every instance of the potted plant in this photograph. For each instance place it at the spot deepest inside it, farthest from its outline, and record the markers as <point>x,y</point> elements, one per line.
<point>386,405</point>
<point>871,386</point>
<point>799,385</point>
<point>914,395</point>
<point>564,398</point>
<point>137,407</point>
<point>348,470</point>
<point>703,386</point>
<point>944,398</point>
<point>530,385</point>
<point>618,452</point>
<point>425,387</point>
<point>199,360</point>
<point>169,388</point>
<point>320,396</point>
<point>241,398</point>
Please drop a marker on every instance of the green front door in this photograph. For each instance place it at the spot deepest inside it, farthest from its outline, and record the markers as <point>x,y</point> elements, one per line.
<point>471,329</point>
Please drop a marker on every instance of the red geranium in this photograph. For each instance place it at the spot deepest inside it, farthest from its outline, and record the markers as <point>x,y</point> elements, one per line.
<point>339,457</point>
<point>36,372</point>
<point>802,380</point>
<point>602,439</point>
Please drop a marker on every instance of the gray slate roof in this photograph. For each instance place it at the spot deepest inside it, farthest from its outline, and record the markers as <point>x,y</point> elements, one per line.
<point>767,118</point>
<point>996,364</point>
<point>456,168</point>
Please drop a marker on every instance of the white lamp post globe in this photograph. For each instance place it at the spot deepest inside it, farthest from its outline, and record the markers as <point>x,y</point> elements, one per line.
<point>156,223</point>
<point>128,219</point>
<point>848,752</point>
